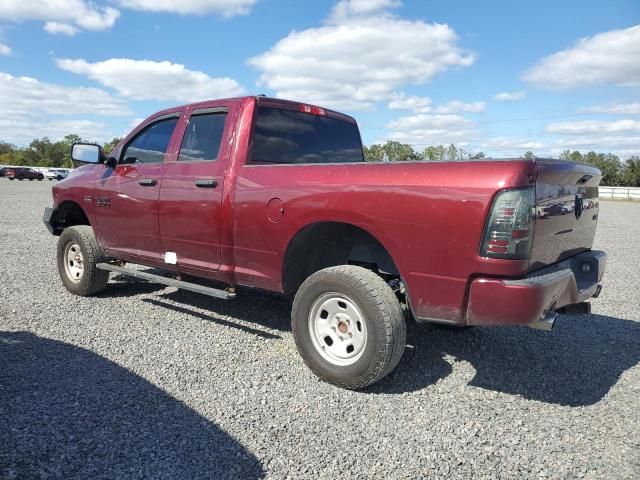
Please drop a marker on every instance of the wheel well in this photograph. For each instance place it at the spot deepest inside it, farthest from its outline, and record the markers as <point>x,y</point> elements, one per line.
<point>69,214</point>
<point>328,244</point>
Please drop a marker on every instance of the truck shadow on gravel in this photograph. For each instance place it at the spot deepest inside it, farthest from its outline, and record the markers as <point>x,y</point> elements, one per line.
<point>66,412</point>
<point>574,365</point>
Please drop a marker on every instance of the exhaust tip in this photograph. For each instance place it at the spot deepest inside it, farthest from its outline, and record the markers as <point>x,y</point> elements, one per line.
<point>545,323</point>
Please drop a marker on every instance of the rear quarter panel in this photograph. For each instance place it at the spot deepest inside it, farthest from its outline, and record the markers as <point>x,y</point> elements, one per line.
<point>429,216</point>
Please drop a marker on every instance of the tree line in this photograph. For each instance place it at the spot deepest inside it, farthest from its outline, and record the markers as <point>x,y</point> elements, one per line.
<point>615,172</point>
<point>42,152</point>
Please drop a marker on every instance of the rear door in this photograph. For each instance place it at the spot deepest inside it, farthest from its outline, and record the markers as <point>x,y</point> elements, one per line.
<point>192,189</point>
<point>126,198</point>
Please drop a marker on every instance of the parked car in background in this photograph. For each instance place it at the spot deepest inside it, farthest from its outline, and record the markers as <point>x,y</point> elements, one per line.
<point>3,170</point>
<point>21,173</point>
<point>56,173</point>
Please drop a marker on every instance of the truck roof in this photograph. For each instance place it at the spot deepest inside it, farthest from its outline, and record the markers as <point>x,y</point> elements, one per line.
<point>264,101</point>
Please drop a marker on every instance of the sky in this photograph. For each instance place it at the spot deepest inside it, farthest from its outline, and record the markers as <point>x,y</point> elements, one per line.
<point>501,77</point>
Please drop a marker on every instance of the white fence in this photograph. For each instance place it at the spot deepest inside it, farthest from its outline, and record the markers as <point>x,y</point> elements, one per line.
<point>623,193</point>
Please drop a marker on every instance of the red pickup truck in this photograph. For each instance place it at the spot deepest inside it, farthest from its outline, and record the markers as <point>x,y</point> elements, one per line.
<point>276,195</point>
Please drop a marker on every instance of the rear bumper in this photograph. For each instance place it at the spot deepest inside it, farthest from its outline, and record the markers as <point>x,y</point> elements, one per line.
<point>494,301</point>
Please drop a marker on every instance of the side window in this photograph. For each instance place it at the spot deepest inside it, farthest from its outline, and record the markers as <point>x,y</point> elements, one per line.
<point>150,145</point>
<point>202,138</point>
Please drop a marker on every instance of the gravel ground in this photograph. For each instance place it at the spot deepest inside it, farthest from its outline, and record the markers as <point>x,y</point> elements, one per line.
<point>147,382</point>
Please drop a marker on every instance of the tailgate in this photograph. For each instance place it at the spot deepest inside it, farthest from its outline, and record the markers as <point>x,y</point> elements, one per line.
<point>566,210</point>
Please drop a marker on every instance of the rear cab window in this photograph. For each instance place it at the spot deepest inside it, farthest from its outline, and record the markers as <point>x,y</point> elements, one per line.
<point>283,136</point>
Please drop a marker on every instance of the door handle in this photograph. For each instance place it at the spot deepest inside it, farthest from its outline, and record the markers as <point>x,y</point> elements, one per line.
<point>147,182</point>
<point>206,183</point>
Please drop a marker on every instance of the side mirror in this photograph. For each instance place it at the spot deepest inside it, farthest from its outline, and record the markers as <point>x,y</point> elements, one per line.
<point>87,153</point>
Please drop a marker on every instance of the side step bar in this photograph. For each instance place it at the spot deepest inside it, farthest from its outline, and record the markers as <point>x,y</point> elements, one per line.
<point>171,282</point>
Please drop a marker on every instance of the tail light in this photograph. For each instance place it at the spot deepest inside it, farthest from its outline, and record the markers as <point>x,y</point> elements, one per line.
<point>509,230</point>
<point>312,110</point>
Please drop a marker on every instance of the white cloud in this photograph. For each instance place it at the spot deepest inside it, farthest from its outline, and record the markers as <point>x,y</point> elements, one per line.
<point>359,59</point>
<point>226,8</point>
<point>78,14</point>
<point>598,127</point>
<point>621,137</point>
<point>149,80</point>
<point>509,147</point>
<point>5,49</point>
<point>417,104</point>
<point>618,137</point>
<point>618,109</point>
<point>22,130</point>
<point>423,105</point>
<point>455,106</point>
<point>68,17</point>
<point>509,96</point>
<point>608,143</point>
<point>346,9</point>
<point>31,108</point>
<point>135,122</point>
<point>27,96</point>
<point>428,129</point>
<point>61,28</point>
<point>606,58</point>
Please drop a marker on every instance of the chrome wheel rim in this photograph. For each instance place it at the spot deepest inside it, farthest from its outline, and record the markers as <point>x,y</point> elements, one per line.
<point>337,328</point>
<point>73,262</point>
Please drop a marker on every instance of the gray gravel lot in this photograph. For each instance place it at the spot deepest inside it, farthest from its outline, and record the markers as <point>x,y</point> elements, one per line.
<point>147,382</point>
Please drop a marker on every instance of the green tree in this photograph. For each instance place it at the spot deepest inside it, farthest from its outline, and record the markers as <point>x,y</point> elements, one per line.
<point>631,172</point>
<point>452,152</point>
<point>609,165</point>
<point>400,152</point>
<point>373,153</point>
<point>395,151</point>
<point>576,156</point>
<point>478,156</point>
<point>529,155</point>
<point>6,148</point>
<point>430,153</point>
<point>113,143</point>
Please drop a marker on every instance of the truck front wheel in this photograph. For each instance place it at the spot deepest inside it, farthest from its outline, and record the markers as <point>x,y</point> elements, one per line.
<point>348,326</point>
<point>78,255</point>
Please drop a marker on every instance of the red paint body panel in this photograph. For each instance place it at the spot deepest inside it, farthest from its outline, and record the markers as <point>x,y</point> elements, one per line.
<point>421,213</point>
<point>429,216</point>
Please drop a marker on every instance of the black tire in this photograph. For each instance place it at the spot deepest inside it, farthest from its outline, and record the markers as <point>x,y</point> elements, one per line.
<point>385,325</point>
<point>92,280</point>
<point>31,179</point>
<point>11,178</point>
<point>20,178</point>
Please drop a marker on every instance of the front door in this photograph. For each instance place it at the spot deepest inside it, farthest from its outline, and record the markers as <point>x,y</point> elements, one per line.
<point>126,197</point>
<point>192,189</point>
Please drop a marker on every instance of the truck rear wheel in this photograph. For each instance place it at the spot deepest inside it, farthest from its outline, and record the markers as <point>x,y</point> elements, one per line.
<point>348,326</point>
<point>78,254</point>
